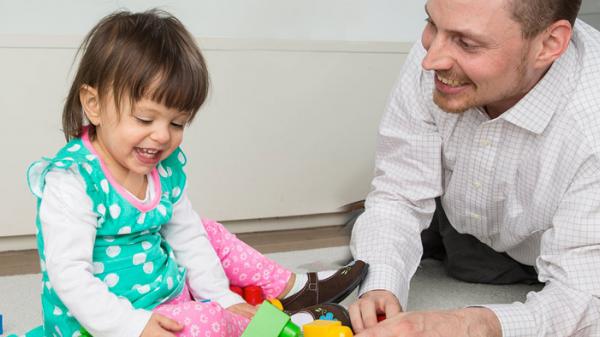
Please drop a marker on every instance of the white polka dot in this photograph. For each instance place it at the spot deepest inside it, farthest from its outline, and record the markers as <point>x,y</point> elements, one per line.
<point>76,334</point>
<point>176,191</point>
<point>113,251</point>
<point>90,157</point>
<point>111,280</point>
<point>169,171</point>
<point>142,289</point>
<point>58,333</point>
<point>181,158</point>
<point>139,258</point>
<point>161,171</point>
<point>162,209</point>
<point>87,167</point>
<point>115,210</point>
<point>43,265</point>
<point>59,164</point>
<point>146,245</point>
<point>48,285</point>
<point>57,311</point>
<point>104,185</point>
<point>101,209</point>
<point>141,218</point>
<point>125,230</point>
<point>148,267</point>
<point>74,148</point>
<point>158,279</point>
<point>109,238</point>
<point>98,267</point>
<point>169,283</point>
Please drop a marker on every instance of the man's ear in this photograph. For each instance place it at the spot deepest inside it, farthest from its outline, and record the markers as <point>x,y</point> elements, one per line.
<point>554,42</point>
<point>90,102</point>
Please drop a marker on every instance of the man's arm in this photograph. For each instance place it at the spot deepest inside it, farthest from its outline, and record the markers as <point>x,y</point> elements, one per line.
<point>407,179</point>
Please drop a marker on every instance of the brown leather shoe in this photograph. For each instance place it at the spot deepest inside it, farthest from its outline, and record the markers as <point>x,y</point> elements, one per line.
<point>330,290</point>
<point>327,311</point>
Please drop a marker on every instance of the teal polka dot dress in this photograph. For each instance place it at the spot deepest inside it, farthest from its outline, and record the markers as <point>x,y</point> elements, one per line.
<point>130,256</point>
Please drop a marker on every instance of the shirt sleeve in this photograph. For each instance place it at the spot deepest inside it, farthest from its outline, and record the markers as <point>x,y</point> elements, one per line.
<point>569,304</point>
<point>193,250</point>
<point>406,182</point>
<point>69,230</point>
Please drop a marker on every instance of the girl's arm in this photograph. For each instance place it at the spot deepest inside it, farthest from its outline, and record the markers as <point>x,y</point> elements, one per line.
<point>193,250</point>
<point>69,231</point>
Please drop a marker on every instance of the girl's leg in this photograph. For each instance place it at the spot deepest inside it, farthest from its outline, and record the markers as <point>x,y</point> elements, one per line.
<point>202,319</point>
<point>244,265</point>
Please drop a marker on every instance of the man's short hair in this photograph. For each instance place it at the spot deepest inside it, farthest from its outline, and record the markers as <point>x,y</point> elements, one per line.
<point>537,15</point>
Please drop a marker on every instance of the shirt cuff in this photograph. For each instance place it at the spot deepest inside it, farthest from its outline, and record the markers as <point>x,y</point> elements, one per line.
<point>384,277</point>
<point>228,300</point>
<point>515,319</point>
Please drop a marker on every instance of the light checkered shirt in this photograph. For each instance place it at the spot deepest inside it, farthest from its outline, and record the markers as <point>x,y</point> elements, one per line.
<point>526,183</point>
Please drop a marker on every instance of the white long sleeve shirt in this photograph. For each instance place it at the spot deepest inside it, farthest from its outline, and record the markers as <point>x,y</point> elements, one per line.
<point>69,230</point>
<point>526,183</point>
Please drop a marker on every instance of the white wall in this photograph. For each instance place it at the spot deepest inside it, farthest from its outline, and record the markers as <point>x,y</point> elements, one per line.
<point>346,20</point>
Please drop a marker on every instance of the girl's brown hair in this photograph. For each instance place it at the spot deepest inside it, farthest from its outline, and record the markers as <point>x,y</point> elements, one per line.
<point>137,55</point>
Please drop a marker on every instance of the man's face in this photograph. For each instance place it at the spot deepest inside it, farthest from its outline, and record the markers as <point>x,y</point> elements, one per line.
<point>478,54</point>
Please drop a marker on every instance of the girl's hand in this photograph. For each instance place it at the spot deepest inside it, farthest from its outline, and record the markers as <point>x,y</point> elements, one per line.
<point>161,326</point>
<point>243,309</point>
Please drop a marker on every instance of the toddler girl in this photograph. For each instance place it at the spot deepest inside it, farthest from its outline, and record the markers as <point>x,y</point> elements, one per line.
<point>122,251</point>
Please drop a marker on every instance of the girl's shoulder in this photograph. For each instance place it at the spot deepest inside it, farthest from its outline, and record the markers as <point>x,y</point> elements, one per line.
<point>70,159</point>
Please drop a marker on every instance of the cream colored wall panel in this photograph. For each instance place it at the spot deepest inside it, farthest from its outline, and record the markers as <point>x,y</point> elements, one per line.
<point>288,130</point>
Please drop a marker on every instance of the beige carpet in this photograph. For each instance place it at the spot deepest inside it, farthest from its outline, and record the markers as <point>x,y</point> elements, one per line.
<point>431,288</point>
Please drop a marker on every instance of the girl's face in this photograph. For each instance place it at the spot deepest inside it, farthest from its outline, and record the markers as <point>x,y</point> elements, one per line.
<point>132,142</point>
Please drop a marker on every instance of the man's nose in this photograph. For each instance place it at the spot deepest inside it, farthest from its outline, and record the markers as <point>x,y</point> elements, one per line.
<point>438,56</point>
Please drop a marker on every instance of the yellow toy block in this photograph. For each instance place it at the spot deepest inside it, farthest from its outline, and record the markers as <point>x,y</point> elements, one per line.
<point>323,328</point>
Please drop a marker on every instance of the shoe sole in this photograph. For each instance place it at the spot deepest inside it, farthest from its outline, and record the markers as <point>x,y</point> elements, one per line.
<point>351,287</point>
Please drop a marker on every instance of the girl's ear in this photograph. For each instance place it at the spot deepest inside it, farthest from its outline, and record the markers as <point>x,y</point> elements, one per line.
<point>90,102</point>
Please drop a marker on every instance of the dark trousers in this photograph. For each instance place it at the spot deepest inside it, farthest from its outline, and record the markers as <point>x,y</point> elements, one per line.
<point>468,259</point>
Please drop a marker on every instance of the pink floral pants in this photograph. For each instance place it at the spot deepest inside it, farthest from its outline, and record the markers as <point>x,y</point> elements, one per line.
<point>243,266</point>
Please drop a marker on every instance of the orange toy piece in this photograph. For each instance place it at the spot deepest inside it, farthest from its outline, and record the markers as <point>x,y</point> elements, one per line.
<point>323,328</point>
<point>276,303</point>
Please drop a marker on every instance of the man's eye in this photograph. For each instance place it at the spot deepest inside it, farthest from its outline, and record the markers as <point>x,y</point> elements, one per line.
<point>466,45</point>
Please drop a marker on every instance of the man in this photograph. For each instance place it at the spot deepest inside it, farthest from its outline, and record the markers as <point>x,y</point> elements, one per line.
<point>496,119</point>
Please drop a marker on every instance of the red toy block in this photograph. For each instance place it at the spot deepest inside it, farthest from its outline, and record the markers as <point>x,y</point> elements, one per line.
<point>253,295</point>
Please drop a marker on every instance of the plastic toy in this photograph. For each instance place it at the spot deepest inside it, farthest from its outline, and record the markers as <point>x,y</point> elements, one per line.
<point>237,290</point>
<point>326,328</point>
<point>270,322</point>
<point>276,303</point>
<point>252,294</point>
<point>1,328</point>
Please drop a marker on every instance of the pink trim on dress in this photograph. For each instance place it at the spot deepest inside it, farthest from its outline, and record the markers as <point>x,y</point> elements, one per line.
<point>120,189</point>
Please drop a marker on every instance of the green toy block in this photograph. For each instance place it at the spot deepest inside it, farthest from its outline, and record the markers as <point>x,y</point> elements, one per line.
<point>271,322</point>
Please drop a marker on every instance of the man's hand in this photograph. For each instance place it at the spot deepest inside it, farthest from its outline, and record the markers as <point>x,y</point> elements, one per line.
<point>363,313</point>
<point>243,309</point>
<point>468,322</point>
<point>161,326</point>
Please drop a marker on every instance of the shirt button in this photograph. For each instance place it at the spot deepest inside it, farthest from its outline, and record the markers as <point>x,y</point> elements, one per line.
<point>475,216</point>
<point>477,185</point>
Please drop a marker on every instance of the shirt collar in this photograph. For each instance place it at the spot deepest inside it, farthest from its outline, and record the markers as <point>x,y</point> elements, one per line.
<point>534,111</point>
